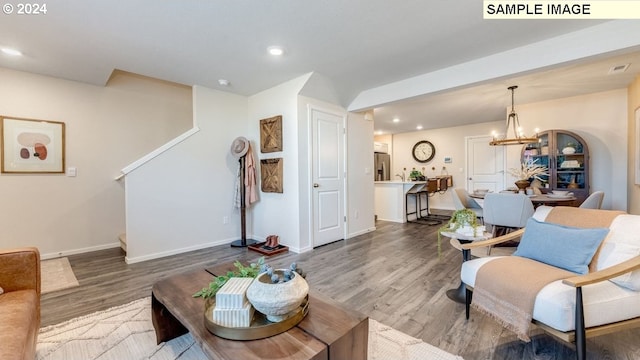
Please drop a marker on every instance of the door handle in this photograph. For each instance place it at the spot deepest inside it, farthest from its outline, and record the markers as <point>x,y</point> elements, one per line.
<point>316,185</point>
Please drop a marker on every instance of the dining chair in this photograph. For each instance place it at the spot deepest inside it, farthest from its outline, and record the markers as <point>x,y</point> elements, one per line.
<point>462,200</point>
<point>594,201</point>
<point>508,212</point>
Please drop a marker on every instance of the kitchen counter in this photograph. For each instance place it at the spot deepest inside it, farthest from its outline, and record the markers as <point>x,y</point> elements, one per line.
<point>390,199</point>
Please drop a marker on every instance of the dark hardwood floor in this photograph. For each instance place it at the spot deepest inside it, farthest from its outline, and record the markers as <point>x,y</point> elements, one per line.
<point>393,275</point>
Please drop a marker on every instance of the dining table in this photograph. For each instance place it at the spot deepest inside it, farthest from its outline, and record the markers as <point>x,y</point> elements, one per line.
<point>541,199</point>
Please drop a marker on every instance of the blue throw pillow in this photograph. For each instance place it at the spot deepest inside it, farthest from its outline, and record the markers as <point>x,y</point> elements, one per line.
<point>569,248</point>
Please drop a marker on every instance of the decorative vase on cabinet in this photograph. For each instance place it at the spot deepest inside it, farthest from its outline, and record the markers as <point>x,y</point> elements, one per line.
<point>566,155</point>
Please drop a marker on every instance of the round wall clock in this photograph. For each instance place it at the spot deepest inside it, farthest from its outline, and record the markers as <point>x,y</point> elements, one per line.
<point>423,151</point>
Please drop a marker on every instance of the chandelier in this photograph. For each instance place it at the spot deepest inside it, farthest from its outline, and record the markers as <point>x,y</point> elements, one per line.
<point>512,120</point>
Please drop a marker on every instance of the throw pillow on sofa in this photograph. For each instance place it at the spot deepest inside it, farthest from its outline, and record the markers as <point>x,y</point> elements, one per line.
<point>566,247</point>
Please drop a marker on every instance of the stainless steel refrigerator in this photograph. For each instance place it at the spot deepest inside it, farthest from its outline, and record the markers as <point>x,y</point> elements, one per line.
<point>382,167</point>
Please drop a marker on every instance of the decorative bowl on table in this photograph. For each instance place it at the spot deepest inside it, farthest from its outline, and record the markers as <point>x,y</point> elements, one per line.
<point>279,300</point>
<point>480,191</point>
<point>468,230</point>
<point>560,192</point>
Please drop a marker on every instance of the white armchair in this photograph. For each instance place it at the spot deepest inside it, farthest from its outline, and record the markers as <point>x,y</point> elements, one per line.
<point>594,201</point>
<point>604,300</point>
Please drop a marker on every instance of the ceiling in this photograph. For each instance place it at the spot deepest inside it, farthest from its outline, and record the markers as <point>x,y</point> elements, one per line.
<point>357,44</point>
<point>491,101</point>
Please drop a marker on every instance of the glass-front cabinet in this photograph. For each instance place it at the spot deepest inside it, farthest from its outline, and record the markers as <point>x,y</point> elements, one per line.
<point>566,155</point>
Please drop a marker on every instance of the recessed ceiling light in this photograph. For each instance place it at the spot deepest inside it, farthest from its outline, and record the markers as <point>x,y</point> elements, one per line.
<point>396,120</point>
<point>275,50</point>
<point>379,132</point>
<point>12,52</point>
<point>419,127</point>
<point>223,82</point>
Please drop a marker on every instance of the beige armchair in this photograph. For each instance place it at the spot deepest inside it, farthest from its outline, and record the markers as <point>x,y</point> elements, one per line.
<point>575,308</point>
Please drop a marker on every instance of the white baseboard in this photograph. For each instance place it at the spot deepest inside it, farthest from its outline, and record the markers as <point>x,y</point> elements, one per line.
<point>78,251</point>
<point>364,231</point>
<point>300,250</point>
<point>133,260</point>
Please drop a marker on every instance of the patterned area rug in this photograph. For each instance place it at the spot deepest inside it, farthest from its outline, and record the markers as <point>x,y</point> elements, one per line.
<point>57,275</point>
<point>126,332</point>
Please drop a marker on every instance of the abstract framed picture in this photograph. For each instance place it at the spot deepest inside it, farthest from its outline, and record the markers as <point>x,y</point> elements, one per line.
<point>271,174</point>
<point>31,146</point>
<point>271,134</point>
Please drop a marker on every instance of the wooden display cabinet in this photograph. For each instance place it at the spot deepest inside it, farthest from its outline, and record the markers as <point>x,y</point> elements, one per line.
<point>566,155</point>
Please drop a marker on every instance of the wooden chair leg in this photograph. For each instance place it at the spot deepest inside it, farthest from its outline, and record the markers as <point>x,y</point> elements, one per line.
<point>467,302</point>
<point>581,341</point>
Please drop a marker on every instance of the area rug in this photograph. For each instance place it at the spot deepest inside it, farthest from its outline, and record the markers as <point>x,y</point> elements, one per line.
<point>126,332</point>
<point>56,274</point>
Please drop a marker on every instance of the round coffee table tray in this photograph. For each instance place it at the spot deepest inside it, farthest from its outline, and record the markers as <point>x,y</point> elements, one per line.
<point>260,327</point>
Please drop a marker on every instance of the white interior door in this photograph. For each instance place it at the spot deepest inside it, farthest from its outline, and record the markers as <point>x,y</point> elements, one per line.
<point>485,164</point>
<point>327,176</point>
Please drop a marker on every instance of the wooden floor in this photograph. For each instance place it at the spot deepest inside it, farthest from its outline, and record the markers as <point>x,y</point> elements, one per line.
<point>393,275</point>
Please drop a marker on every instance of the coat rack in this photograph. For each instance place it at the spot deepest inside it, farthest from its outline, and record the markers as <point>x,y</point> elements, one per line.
<point>243,242</point>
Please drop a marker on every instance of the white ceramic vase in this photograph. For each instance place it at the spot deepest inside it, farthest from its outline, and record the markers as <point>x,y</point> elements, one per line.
<point>277,301</point>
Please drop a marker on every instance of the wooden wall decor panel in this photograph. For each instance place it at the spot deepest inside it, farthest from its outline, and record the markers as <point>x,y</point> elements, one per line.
<point>271,175</point>
<point>271,134</point>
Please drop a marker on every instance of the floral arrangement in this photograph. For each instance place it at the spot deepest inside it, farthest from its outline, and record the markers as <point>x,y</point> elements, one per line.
<point>459,219</point>
<point>528,170</point>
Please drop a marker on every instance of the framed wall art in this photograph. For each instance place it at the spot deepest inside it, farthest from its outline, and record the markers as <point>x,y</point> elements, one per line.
<point>271,134</point>
<point>31,146</point>
<point>271,175</point>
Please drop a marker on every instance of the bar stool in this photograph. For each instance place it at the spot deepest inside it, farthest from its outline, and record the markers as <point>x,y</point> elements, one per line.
<point>414,192</point>
<point>428,190</point>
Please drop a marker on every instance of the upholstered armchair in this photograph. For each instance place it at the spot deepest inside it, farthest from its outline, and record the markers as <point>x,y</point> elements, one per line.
<point>594,201</point>
<point>600,292</point>
<point>19,303</point>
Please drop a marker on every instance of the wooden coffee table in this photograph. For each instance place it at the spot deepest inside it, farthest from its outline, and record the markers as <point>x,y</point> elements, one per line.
<point>329,331</point>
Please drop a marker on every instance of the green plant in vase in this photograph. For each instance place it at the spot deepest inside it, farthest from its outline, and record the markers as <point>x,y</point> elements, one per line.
<point>459,219</point>
<point>415,174</point>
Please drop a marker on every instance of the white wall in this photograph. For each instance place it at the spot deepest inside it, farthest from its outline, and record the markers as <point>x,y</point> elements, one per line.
<point>360,203</point>
<point>633,198</point>
<point>177,202</point>
<point>601,119</point>
<point>106,128</point>
<point>277,213</point>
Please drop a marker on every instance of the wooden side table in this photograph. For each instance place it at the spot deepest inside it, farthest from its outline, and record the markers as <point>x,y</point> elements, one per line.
<point>459,294</point>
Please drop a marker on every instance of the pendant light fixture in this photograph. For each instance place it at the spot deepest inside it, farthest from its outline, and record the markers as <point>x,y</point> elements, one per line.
<point>512,121</point>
